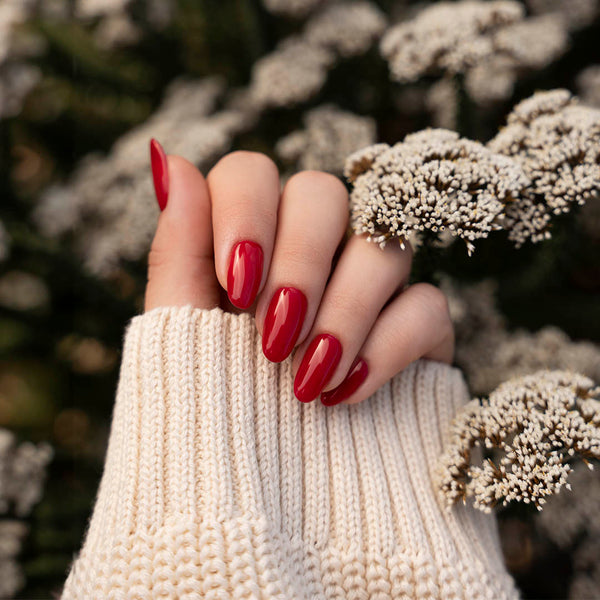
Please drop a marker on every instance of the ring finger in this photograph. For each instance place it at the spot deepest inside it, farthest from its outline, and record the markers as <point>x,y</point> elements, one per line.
<point>363,281</point>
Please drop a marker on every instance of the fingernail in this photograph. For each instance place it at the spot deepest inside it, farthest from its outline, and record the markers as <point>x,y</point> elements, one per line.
<point>160,173</point>
<point>357,374</point>
<point>245,272</point>
<point>283,323</point>
<point>317,366</point>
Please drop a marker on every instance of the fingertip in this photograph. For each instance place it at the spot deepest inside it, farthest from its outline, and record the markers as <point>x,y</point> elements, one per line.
<point>356,376</point>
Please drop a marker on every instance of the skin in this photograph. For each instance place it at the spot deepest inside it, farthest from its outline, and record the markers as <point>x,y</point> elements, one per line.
<point>301,230</point>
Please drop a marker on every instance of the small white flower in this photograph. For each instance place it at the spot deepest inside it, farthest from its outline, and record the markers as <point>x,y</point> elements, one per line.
<point>545,416</point>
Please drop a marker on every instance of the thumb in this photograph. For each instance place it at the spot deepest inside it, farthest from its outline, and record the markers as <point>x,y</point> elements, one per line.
<point>181,264</point>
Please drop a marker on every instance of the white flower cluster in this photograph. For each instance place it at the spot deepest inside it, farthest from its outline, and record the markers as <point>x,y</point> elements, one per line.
<point>22,478</point>
<point>20,290</point>
<point>441,101</point>
<point>537,424</point>
<point>473,311</point>
<point>116,25</point>
<point>22,473</point>
<point>572,521</point>
<point>574,13</point>
<point>491,81</point>
<point>86,355</point>
<point>523,46</point>
<point>12,14</point>
<point>297,69</point>
<point>490,42</point>
<point>12,578</point>
<point>588,84</point>
<point>555,140</point>
<point>586,564</point>
<point>109,202</point>
<point>488,353</point>
<point>86,9</point>
<point>541,163</point>
<point>492,358</point>
<point>347,29</point>
<point>446,36</point>
<point>532,43</point>
<point>294,72</point>
<point>291,8</point>
<point>17,77</point>
<point>566,517</point>
<point>432,180</point>
<point>330,134</point>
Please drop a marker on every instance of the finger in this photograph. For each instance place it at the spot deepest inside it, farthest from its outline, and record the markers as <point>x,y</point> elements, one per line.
<point>181,264</point>
<point>414,325</point>
<point>363,281</point>
<point>313,215</point>
<point>244,191</point>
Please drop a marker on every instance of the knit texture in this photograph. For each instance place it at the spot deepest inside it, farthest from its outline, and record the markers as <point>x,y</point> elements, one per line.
<point>218,483</point>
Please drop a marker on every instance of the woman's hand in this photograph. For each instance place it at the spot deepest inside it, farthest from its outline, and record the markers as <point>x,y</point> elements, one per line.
<point>353,322</point>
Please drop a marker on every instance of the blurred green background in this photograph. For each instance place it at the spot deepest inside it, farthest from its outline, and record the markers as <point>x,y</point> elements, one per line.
<point>61,329</point>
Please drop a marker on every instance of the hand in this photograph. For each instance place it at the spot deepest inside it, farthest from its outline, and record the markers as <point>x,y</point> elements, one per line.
<point>354,322</point>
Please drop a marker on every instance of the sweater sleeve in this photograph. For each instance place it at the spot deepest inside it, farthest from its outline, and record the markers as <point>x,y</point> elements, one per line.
<point>219,484</point>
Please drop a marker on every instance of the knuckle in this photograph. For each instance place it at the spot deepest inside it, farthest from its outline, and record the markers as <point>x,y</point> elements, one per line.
<point>301,253</point>
<point>248,210</point>
<point>354,307</point>
<point>158,259</point>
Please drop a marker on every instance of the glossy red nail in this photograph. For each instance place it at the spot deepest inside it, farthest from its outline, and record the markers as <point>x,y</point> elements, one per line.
<point>283,323</point>
<point>245,272</point>
<point>160,173</point>
<point>357,374</point>
<point>317,366</point>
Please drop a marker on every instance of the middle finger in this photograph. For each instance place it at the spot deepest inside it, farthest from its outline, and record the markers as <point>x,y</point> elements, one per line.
<point>313,215</point>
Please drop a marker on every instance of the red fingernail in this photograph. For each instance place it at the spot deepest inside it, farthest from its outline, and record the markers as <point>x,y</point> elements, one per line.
<point>160,173</point>
<point>357,374</point>
<point>317,367</point>
<point>245,272</point>
<point>283,323</point>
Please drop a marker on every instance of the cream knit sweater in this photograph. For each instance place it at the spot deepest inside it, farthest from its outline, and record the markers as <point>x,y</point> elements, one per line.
<point>219,484</point>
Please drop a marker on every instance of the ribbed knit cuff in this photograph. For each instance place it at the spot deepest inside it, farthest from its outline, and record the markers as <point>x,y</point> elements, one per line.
<point>218,483</point>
